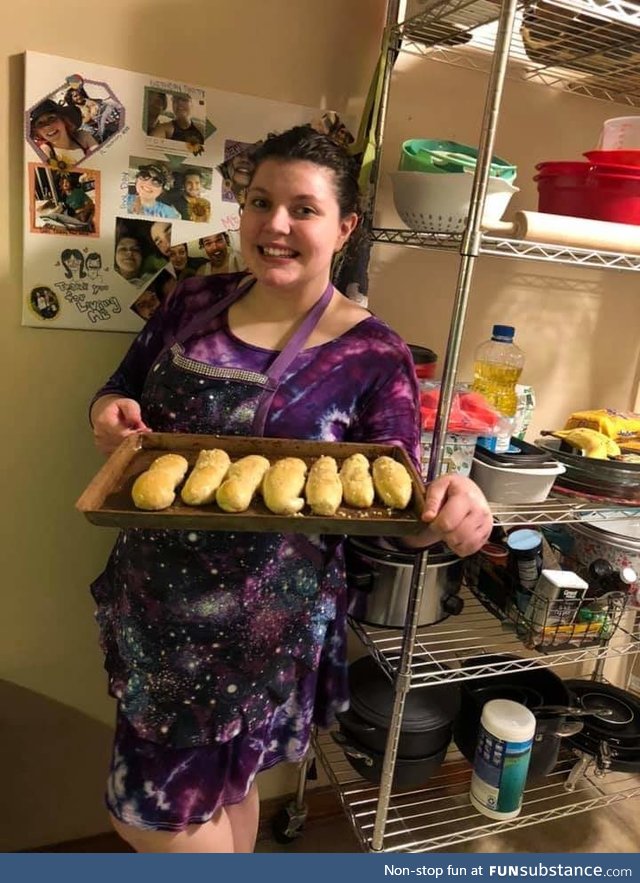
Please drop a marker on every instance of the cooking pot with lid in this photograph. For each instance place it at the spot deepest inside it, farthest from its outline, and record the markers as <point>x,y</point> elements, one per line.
<point>379,583</point>
<point>426,720</point>
<point>425,730</point>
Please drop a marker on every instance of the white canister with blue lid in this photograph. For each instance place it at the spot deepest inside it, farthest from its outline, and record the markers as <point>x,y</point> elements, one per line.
<point>502,758</point>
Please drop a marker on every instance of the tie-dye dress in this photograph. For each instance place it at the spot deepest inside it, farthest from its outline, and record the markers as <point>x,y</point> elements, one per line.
<point>223,649</point>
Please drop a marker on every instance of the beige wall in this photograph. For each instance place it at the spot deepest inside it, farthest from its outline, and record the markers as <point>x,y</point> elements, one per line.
<point>55,715</point>
<point>580,350</point>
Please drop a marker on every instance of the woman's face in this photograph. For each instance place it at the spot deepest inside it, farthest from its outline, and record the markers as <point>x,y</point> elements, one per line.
<point>148,187</point>
<point>128,257</point>
<point>161,237</point>
<point>291,226</point>
<point>73,263</point>
<point>50,127</point>
<point>241,168</point>
<point>178,256</point>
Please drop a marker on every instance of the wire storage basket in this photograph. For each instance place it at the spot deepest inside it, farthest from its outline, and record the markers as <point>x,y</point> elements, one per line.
<point>542,623</point>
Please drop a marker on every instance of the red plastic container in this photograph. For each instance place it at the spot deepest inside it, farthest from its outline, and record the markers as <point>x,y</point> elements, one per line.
<point>585,190</point>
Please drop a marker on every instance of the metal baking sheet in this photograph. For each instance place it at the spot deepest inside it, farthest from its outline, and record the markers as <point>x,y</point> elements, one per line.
<point>107,499</point>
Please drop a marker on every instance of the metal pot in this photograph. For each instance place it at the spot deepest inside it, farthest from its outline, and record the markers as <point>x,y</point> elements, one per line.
<point>379,582</point>
<point>411,772</point>
<point>426,721</point>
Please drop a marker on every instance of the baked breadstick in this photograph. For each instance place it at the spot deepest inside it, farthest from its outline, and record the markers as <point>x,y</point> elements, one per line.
<point>155,488</point>
<point>243,480</point>
<point>206,477</point>
<point>357,484</point>
<point>324,488</point>
<point>283,484</point>
<point>392,482</point>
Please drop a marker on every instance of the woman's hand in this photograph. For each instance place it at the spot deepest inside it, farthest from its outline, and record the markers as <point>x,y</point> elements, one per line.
<point>457,513</point>
<point>114,418</point>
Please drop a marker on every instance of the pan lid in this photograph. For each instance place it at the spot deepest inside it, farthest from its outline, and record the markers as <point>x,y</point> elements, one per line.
<point>373,694</point>
<point>623,719</point>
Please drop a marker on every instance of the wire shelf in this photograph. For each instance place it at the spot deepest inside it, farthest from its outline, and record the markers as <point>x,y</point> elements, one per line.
<point>560,510</point>
<point>586,47</point>
<point>510,248</point>
<point>441,651</point>
<point>440,814</point>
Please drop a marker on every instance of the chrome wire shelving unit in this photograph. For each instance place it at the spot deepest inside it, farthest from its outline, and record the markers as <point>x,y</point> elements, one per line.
<point>586,47</point>
<point>440,816</point>
<point>511,248</point>
<point>504,39</point>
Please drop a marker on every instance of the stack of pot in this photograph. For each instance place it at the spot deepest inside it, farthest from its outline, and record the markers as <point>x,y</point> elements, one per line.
<point>425,732</point>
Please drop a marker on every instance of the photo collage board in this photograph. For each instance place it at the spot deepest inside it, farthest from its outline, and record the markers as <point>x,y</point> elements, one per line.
<point>132,184</point>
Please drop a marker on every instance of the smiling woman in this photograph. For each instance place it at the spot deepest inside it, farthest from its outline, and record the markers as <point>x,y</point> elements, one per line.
<point>150,182</point>
<point>260,654</point>
<point>55,130</point>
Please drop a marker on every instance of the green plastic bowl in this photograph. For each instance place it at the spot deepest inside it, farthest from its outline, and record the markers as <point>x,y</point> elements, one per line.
<point>421,155</point>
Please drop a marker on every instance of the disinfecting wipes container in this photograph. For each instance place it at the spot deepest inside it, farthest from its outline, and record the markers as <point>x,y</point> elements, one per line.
<point>502,758</point>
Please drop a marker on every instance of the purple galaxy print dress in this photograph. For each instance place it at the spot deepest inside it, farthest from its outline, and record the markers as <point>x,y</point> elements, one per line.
<point>223,649</point>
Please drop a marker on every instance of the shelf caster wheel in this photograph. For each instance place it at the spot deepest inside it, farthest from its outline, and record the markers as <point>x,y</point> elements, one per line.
<point>288,823</point>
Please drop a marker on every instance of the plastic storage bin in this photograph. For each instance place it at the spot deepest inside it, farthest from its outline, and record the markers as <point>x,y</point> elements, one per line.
<point>509,484</point>
<point>583,190</point>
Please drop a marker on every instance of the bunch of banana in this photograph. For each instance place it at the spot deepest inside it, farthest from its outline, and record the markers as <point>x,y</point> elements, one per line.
<point>592,443</point>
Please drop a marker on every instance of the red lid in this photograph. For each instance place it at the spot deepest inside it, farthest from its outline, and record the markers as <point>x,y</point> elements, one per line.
<point>614,157</point>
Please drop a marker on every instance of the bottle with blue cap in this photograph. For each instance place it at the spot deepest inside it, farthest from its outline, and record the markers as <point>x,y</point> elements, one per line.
<point>497,368</point>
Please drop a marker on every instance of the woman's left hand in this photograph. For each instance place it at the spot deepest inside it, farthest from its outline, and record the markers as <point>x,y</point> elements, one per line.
<point>457,513</point>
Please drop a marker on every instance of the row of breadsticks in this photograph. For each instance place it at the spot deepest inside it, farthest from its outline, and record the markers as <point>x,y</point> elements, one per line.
<point>284,486</point>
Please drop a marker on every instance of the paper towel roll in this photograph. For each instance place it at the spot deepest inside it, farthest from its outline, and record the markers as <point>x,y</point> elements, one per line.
<point>565,230</point>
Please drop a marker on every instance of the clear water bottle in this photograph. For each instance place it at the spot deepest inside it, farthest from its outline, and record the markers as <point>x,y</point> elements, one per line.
<point>496,370</point>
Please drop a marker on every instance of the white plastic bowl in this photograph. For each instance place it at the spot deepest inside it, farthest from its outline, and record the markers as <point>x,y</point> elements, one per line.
<point>506,484</point>
<point>440,203</point>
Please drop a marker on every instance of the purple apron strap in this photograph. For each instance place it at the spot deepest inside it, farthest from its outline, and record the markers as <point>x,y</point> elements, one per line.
<point>280,364</point>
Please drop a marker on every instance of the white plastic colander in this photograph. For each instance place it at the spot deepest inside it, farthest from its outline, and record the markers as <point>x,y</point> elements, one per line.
<point>440,203</point>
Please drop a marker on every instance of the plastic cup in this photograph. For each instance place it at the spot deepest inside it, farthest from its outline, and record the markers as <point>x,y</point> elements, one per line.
<point>620,133</point>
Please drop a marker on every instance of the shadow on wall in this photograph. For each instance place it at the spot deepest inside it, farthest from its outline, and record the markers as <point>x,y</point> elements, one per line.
<point>53,755</point>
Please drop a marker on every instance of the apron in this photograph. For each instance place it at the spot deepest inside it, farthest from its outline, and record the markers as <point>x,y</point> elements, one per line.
<point>207,632</point>
<point>211,399</point>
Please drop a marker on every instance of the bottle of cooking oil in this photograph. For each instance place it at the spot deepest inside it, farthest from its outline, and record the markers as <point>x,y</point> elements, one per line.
<point>497,368</point>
